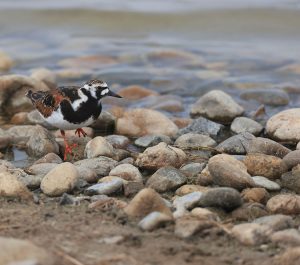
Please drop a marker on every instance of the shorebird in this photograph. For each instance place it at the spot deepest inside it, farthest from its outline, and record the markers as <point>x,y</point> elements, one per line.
<point>71,107</point>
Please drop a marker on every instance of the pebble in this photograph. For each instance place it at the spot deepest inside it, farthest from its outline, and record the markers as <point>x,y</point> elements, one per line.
<point>131,188</point>
<point>105,188</point>
<point>271,167</point>
<point>284,126</point>
<point>118,141</point>
<point>205,178</point>
<point>166,179</point>
<point>63,178</point>
<point>249,211</point>
<point>187,202</point>
<point>290,257</point>
<point>154,220</point>
<point>193,140</point>
<point>259,195</point>
<point>135,92</point>
<point>127,172</point>
<point>202,126</point>
<point>291,179</point>
<point>145,202</point>
<point>243,124</point>
<point>229,172</point>
<point>98,146</point>
<point>21,132</point>
<point>292,159</point>
<point>288,237</point>
<point>101,165</point>
<point>159,156</point>
<point>152,140</point>
<point>203,213</point>
<point>49,158</point>
<point>251,234</point>
<point>266,183</point>
<point>284,204</point>
<point>5,61</point>
<point>41,168</point>
<point>189,188</point>
<point>105,123</point>
<point>273,97</point>
<point>139,122</point>
<point>191,170</point>
<point>276,222</point>
<point>218,106</point>
<point>225,198</point>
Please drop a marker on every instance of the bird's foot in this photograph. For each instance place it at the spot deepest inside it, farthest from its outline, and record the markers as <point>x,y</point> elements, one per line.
<point>69,150</point>
<point>80,131</point>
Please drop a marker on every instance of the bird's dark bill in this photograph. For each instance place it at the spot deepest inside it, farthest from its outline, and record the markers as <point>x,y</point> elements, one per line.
<point>112,94</point>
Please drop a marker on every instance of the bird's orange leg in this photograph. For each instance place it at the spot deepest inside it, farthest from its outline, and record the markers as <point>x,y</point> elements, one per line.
<point>68,148</point>
<point>80,131</point>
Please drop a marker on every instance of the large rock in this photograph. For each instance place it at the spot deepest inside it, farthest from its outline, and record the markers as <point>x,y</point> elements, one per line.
<point>285,126</point>
<point>229,172</point>
<point>284,204</point>
<point>98,146</point>
<point>159,156</point>
<point>194,140</point>
<point>61,179</point>
<point>139,122</point>
<point>217,105</point>
<point>244,124</point>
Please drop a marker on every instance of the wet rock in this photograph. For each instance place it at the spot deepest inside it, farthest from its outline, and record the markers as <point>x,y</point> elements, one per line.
<point>259,195</point>
<point>5,61</point>
<point>136,92</point>
<point>49,158</point>
<point>292,159</point>
<point>41,143</point>
<point>193,140</point>
<point>11,186</point>
<point>203,213</point>
<point>186,202</point>
<point>18,251</point>
<point>225,198</point>
<point>145,202</point>
<point>159,156</point>
<point>290,237</point>
<point>189,188</point>
<point>266,183</point>
<point>291,179</point>
<point>139,122</point>
<point>229,172</point>
<point>44,74</point>
<point>243,124</point>
<point>152,140</point>
<point>276,222</point>
<point>101,165</point>
<point>267,166</point>
<point>202,126</point>
<point>131,188</point>
<point>218,106</point>
<point>249,211</point>
<point>127,172</point>
<point>251,234</point>
<point>154,220</point>
<point>284,204</point>
<point>191,170</point>
<point>117,141</point>
<point>284,126</point>
<point>63,178</point>
<point>166,179</point>
<point>87,174</point>
<point>98,146</point>
<point>274,97</point>
<point>105,123</point>
<point>105,188</point>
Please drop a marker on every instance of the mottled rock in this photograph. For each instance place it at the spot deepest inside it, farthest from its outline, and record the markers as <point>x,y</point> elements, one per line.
<point>127,172</point>
<point>87,174</point>
<point>191,170</point>
<point>132,187</point>
<point>193,140</point>
<point>159,156</point>
<point>266,183</point>
<point>98,146</point>
<point>229,172</point>
<point>135,92</point>
<point>288,237</point>
<point>145,202</point>
<point>276,222</point>
<point>63,178</point>
<point>249,211</point>
<point>284,204</point>
<point>49,158</point>
<point>117,141</point>
<point>41,169</point>
<point>205,178</point>
<point>259,195</point>
<point>243,124</point>
<point>292,159</point>
<point>152,140</point>
<point>218,106</point>
<point>139,122</point>
<point>291,179</point>
<point>154,220</point>
<point>105,188</point>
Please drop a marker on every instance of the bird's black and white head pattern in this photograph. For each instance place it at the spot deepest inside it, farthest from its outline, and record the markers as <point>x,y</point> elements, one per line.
<point>97,88</point>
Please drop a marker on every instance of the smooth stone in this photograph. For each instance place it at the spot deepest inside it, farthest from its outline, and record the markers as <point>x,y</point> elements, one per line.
<point>160,155</point>
<point>6,62</point>
<point>105,188</point>
<point>135,92</point>
<point>229,172</point>
<point>63,178</point>
<point>273,97</point>
<point>284,204</point>
<point>152,140</point>
<point>105,123</point>
<point>193,140</point>
<point>120,154</point>
<point>288,237</point>
<point>292,159</point>
<point>166,179</point>
<point>182,122</point>
<point>98,146</point>
<point>101,165</point>
<point>276,222</point>
<point>140,122</point>
<point>243,124</point>
<point>145,202</point>
<point>249,211</point>
<point>225,198</point>
<point>154,220</point>
<point>49,158</point>
<point>218,106</point>
<point>127,172</point>
<point>203,213</point>
<point>118,141</point>
<point>189,188</point>
<point>127,160</point>
<point>131,188</point>
<point>259,195</point>
<point>188,201</point>
<point>284,126</point>
<point>191,170</point>
<point>87,174</point>
<point>271,167</point>
<point>266,183</point>
<point>291,179</point>
<point>15,251</point>
<point>251,234</point>
<point>202,126</point>
<point>41,169</point>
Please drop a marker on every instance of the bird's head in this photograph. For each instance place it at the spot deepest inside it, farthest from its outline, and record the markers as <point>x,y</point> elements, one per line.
<point>99,89</point>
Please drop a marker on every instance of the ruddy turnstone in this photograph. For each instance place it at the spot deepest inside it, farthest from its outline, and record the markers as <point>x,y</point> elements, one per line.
<point>71,107</point>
